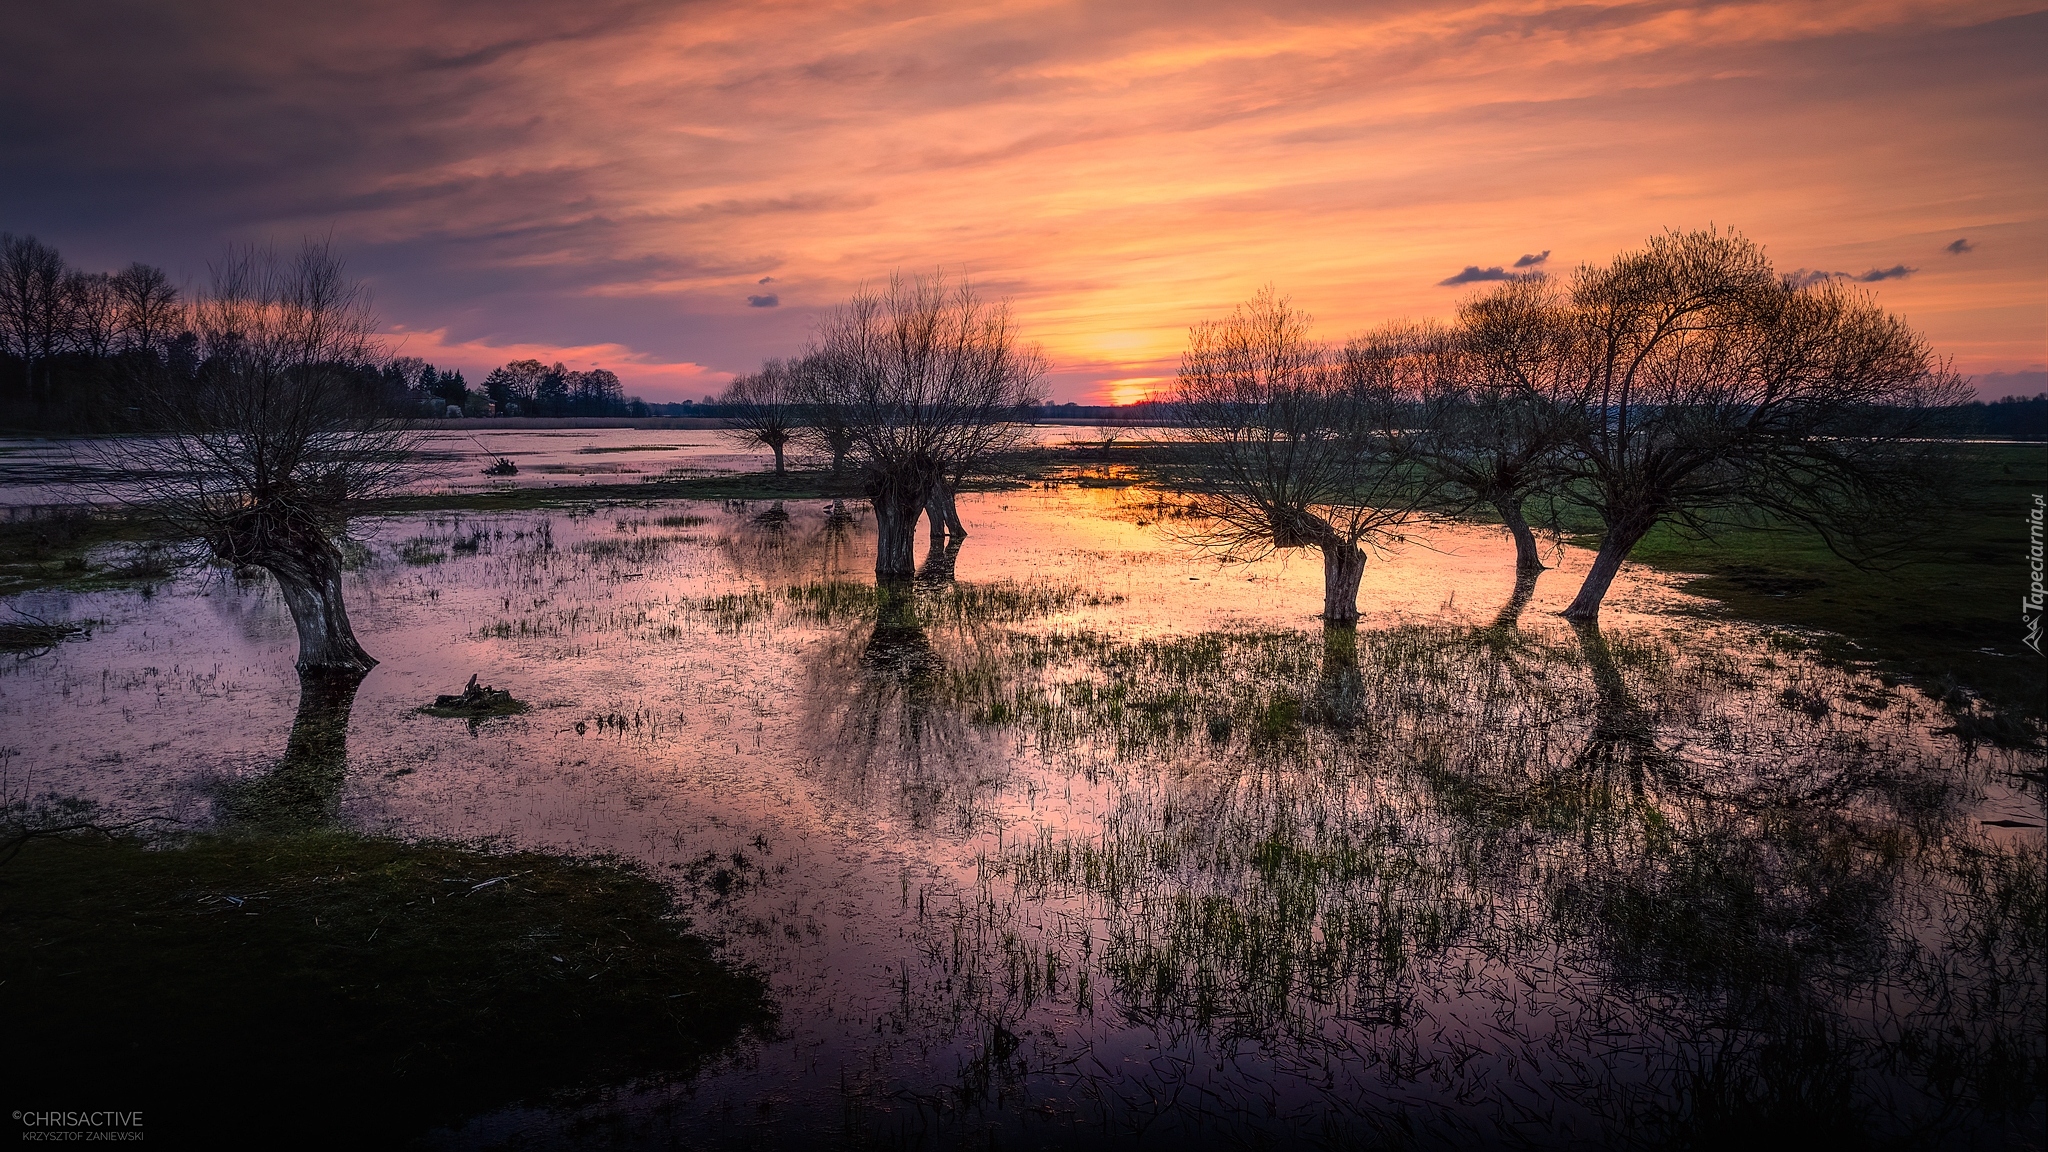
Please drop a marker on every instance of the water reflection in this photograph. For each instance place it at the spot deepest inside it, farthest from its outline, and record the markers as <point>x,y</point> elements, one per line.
<point>1069,831</point>
<point>941,562</point>
<point>304,791</point>
<point>1511,612</point>
<point>1623,741</point>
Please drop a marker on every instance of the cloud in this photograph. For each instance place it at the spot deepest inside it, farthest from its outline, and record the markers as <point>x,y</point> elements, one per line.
<point>768,301</point>
<point>1474,274</point>
<point>1808,277</point>
<point>765,280</point>
<point>1960,246</point>
<point>1528,261</point>
<point>609,171</point>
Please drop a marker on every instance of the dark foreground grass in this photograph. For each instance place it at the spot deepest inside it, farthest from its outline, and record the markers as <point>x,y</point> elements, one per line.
<point>323,989</point>
<point>1948,615</point>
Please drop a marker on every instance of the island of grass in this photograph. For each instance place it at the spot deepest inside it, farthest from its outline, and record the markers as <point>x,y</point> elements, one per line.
<point>322,987</point>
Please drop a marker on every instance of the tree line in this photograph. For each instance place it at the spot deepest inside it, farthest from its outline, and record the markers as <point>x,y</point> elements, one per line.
<point>1685,382</point>
<point>908,390</point>
<point>80,351</point>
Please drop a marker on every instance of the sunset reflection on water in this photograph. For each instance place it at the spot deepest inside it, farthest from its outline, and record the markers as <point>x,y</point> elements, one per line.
<point>1084,829</point>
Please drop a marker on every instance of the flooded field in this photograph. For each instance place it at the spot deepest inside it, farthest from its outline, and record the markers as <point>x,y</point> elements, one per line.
<point>37,472</point>
<point>1089,838</point>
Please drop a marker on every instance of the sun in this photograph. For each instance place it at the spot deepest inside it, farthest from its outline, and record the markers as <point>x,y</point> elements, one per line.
<point>1133,390</point>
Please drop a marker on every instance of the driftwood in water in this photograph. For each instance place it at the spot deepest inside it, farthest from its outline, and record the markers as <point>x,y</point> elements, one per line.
<point>476,702</point>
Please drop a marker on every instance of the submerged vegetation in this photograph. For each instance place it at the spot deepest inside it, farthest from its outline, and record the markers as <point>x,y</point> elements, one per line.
<point>1652,885</point>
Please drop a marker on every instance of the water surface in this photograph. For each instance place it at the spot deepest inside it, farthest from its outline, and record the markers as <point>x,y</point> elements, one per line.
<point>1090,837</point>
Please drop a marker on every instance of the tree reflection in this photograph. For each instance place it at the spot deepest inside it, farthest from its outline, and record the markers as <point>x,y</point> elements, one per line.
<point>939,563</point>
<point>1510,613</point>
<point>887,726</point>
<point>1714,957</point>
<point>1624,736</point>
<point>775,545</point>
<point>1340,685</point>
<point>304,791</point>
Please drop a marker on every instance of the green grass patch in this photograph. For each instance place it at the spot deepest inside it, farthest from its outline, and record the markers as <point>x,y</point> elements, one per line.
<point>795,485</point>
<point>343,989</point>
<point>1949,615</point>
<point>57,552</point>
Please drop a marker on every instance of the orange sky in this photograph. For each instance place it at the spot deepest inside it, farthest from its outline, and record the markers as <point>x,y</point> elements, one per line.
<point>611,186</point>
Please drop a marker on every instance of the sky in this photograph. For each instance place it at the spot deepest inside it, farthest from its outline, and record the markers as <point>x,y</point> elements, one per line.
<point>675,191</point>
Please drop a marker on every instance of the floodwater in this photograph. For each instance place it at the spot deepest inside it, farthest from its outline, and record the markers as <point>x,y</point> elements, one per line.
<point>1088,839</point>
<point>37,472</point>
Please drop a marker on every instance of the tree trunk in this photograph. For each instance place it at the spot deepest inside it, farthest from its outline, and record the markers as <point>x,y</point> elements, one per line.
<point>1614,549</point>
<point>944,513</point>
<point>1527,558</point>
<point>950,506</point>
<point>935,515</point>
<point>898,499</point>
<point>311,582</point>
<point>776,447</point>
<point>1343,568</point>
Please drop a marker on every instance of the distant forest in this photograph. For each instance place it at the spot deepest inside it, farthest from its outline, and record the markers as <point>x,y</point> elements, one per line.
<point>75,346</point>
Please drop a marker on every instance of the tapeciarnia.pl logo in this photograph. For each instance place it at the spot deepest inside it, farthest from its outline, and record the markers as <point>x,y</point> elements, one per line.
<point>2031,605</point>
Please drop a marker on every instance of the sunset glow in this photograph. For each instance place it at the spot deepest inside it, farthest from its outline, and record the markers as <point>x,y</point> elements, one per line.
<point>611,184</point>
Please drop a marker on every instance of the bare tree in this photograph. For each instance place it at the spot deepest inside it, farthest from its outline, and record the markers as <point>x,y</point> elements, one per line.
<point>1709,387</point>
<point>1496,426</point>
<point>1287,446</point>
<point>35,314</point>
<point>149,310</point>
<point>823,428</point>
<point>95,312</point>
<point>927,379</point>
<point>267,450</point>
<point>760,408</point>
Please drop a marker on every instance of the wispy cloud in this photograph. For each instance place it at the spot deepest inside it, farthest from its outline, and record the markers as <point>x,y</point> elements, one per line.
<point>619,170</point>
<point>768,301</point>
<point>1960,246</point>
<point>1474,274</point>
<point>1807,277</point>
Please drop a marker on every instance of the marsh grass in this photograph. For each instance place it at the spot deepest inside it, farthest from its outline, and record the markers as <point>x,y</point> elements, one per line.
<point>305,968</point>
<point>421,551</point>
<point>1642,883</point>
<point>1321,845</point>
<point>949,603</point>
